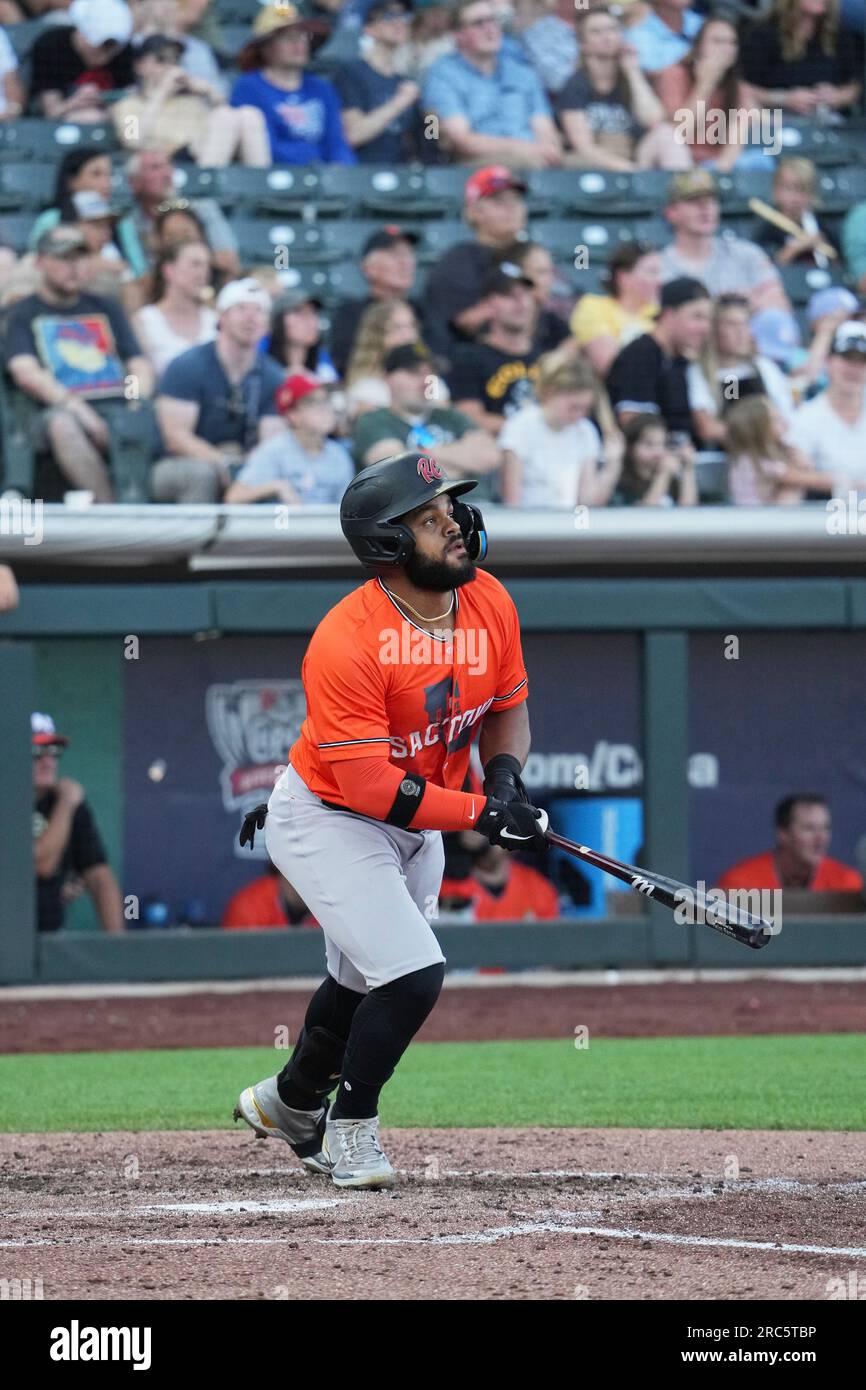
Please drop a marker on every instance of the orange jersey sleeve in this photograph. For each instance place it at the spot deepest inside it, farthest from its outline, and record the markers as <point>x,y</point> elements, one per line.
<point>379,686</point>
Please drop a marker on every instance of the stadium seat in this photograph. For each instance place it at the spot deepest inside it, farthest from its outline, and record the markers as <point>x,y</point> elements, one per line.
<point>802,282</point>
<point>649,189</point>
<point>15,229</point>
<point>292,190</point>
<point>397,193</point>
<point>827,145</point>
<point>240,11</point>
<point>48,140</point>
<point>589,279</point>
<point>839,189</point>
<point>445,183</point>
<point>439,237</point>
<point>192,182</point>
<point>26,186</point>
<point>590,191</point>
<point>739,186</point>
<point>563,237</point>
<point>259,239</point>
<point>231,40</point>
<point>23,36</point>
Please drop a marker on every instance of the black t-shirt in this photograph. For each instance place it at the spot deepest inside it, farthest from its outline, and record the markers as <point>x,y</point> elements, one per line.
<point>501,381</point>
<point>21,338</point>
<point>550,331</point>
<point>362,88</point>
<point>772,239</point>
<point>606,112</point>
<point>455,283</point>
<point>58,68</point>
<point>764,65</point>
<point>345,322</point>
<point>643,379</point>
<point>84,850</point>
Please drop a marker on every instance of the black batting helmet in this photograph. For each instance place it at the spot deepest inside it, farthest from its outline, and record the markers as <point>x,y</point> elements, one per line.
<point>379,495</point>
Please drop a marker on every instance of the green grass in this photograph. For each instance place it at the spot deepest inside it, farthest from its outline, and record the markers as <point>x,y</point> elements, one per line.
<point>800,1082</point>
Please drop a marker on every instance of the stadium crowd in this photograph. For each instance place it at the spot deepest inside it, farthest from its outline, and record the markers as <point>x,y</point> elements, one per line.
<point>200,306</point>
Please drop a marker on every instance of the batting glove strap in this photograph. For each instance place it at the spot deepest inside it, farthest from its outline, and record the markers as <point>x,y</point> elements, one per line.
<point>502,779</point>
<point>513,824</point>
<point>254,820</point>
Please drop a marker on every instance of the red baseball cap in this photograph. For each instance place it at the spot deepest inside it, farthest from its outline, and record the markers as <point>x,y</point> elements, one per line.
<point>43,734</point>
<point>494,179</point>
<point>294,389</point>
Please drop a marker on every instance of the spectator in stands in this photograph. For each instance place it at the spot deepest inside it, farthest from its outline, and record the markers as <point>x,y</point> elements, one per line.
<point>66,842</point>
<point>76,67</point>
<point>302,112</point>
<point>81,170</point>
<point>150,175</point>
<point>830,429</point>
<point>62,346</point>
<point>381,110</point>
<point>551,451</point>
<point>665,35</point>
<point>176,17</point>
<point>389,324</point>
<point>489,104</point>
<point>217,401</point>
<point>708,79</point>
<point>494,377</point>
<point>729,264</point>
<point>549,42</point>
<point>103,270</point>
<point>388,264</point>
<point>657,470</point>
<point>800,859</point>
<point>301,465</point>
<point>296,335</point>
<point>795,190</point>
<point>11,87</point>
<point>180,315</point>
<point>499,887</point>
<point>826,311</point>
<point>340,22</point>
<point>8,589</point>
<point>730,369</point>
<point>432,35</point>
<point>414,421</point>
<point>536,263</point>
<point>455,307</point>
<point>854,245</point>
<point>611,116</point>
<point>800,60</point>
<point>603,324</point>
<point>186,116</point>
<point>269,901</point>
<point>649,375</point>
<point>764,468</point>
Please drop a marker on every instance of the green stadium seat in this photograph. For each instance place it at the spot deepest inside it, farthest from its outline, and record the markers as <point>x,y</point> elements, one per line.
<point>738,187</point>
<point>49,140</point>
<point>240,11</point>
<point>562,237</point>
<point>232,37</point>
<point>15,229</point>
<point>649,189</point>
<point>192,182</point>
<point>394,193</point>
<point>589,279</point>
<point>23,36</point>
<point>802,282</point>
<point>26,186</point>
<point>825,145</point>
<point>438,237</point>
<point>260,240</point>
<point>590,191</point>
<point>445,183</point>
<point>839,189</point>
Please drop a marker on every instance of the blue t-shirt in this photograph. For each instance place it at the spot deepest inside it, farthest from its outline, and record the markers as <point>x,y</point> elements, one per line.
<point>362,88</point>
<point>304,126</point>
<point>227,414</point>
<point>502,104</point>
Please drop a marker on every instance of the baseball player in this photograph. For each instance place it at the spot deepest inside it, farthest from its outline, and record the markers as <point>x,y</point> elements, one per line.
<point>399,678</point>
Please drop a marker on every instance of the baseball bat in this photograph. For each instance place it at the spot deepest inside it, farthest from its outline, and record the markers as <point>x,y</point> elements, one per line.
<point>778,219</point>
<point>736,922</point>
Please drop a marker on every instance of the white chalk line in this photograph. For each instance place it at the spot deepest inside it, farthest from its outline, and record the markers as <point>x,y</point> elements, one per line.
<point>487,1237</point>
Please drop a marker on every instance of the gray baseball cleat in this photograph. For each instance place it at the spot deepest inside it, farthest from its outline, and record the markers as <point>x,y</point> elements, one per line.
<point>354,1153</point>
<point>302,1130</point>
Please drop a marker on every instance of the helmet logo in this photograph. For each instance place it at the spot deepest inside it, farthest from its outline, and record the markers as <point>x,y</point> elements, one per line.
<point>429,469</point>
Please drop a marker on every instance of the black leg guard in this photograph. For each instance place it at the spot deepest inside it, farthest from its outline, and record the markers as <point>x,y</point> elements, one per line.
<point>385,1023</point>
<point>314,1067</point>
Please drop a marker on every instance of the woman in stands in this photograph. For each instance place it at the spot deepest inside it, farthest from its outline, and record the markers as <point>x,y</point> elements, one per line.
<point>657,471</point>
<point>803,61</point>
<point>296,336</point>
<point>180,316</point>
<point>610,114</point>
<point>603,324</point>
<point>709,80</point>
<point>185,116</point>
<point>388,324</point>
<point>764,469</point>
<point>729,370</point>
<point>79,171</point>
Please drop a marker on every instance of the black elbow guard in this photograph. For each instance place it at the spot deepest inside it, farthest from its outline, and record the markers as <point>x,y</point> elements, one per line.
<point>407,800</point>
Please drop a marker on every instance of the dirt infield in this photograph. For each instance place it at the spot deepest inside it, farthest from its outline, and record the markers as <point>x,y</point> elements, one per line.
<point>665,1009</point>
<point>477,1214</point>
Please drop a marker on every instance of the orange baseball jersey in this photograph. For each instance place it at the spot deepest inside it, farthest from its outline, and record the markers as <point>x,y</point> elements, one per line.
<point>260,904</point>
<point>832,876</point>
<point>377,685</point>
<point>528,894</point>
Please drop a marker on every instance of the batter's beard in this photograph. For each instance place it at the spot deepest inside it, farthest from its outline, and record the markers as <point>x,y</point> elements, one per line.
<point>437,575</point>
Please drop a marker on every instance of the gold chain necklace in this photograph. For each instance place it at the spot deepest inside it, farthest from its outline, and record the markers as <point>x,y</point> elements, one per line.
<point>405,603</point>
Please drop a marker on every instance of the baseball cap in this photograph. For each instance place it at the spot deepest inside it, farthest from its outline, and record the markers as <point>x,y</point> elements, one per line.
<point>849,338</point>
<point>62,242</point>
<point>294,389</point>
<point>503,279</point>
<point>246,291</point>
<point>682,290</point>
<point>154,45</point>
<point>832,300</point>
<point>43,732</point>
<point>691,184</point>
<point>495,178</point>
<point>99,21</point>
<point>407,358</point>
<point>294,298</point>
<point>90,206</point>
<point>380,7</point>
<point>386,236</point>
<point>776,334</point>
<point>269,21</point>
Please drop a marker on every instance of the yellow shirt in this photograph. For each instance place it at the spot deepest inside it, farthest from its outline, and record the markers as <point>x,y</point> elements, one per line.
<point>602,316</point>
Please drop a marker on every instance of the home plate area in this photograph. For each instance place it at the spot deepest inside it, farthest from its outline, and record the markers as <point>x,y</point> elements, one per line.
<point>475,1214</point>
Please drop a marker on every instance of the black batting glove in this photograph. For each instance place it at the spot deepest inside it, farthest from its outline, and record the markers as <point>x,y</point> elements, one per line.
<point>513,825</point>
<point>502,779</point>
<point>254,820</point>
